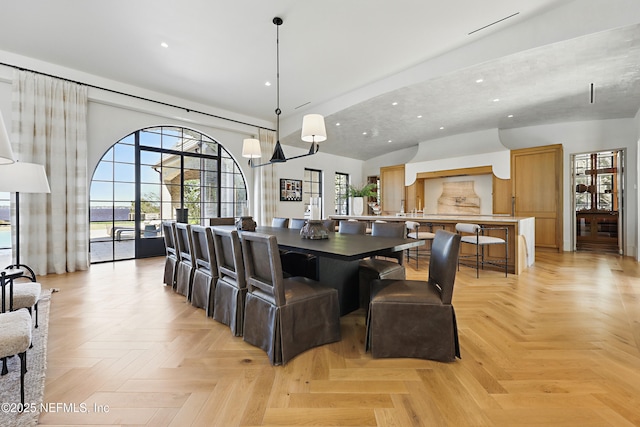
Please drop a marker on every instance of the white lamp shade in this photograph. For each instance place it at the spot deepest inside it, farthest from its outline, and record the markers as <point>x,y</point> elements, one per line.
<point>21,177</point>
<point>251,148</point>
<point>6,153</point>
<point>313,129</point>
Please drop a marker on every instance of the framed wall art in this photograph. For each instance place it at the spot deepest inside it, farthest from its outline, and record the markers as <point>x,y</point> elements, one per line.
<point>290,190</point>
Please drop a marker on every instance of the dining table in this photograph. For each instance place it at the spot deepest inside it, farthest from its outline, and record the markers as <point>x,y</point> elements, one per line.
<point>339,257</point>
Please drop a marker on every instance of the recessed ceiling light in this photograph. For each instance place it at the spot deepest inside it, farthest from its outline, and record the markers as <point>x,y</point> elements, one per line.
<point>163,44</point>
<point>364,133</point>
<point>441,127</point>
<point>510,115</point>
<point>394,103</point>
<point>389,141</point>
<point>267,83</point>
<point>479,80</point>
<point>337,124</point>
<point>419,117</point>
<point>496,100</point>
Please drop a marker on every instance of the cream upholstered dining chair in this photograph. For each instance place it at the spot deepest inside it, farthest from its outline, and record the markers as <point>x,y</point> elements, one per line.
<point>415,318</point>
<point>284,317</point>
<point>205,272</point>
<point>17,294</point>
<point>474,234</point>
<point>385,266</point>
<point>15,339</point>
<point>170,264</point>
<point>420,232</point>
<point>184,276</point>
<point>231,288</point>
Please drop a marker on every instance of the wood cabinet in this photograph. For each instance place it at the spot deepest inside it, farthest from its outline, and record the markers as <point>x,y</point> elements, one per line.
<point>536,179</point>
<point>392,189</point>
<point>502,197</point>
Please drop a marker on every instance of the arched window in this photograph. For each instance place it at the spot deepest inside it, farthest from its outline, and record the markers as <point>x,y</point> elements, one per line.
<point>156,174</point>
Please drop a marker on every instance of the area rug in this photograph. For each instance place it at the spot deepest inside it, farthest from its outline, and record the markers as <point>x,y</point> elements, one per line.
<point>34,378</point>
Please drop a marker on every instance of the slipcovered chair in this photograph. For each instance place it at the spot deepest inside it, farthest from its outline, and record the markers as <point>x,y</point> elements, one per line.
<point>297,223</point>
<point>184,276</point>
<point>419,232</point>
<point>385,266</point>
<point>205,272</point>
<point>413,318</point>
<point>330,224</point>
<point>280,222</point>
<point>15,338</point>
<point>222,221</point>
<point>474,234</point>
<point>284,317</point>
<point>296,263</point>
<point>352,227</point>
<point>170,264</point>
<point>231,288</point>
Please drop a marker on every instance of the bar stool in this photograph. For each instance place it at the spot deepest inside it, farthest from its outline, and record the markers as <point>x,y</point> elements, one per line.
<point>475,235</point>
<point>414,232</point>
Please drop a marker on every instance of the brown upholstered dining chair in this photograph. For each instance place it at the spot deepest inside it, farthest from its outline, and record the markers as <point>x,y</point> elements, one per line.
<point>414,318</point>
<point>296,263</point>
<point>184,276</point>
<point>231,288</point>
<point>222,221</point>
<point>352,227</point>
<point>284,317</point>
<point>170,264</point>
<point>297,223</point>
<point>385,266</point>
<point>330,224</point>
<point>280,222</point>
<point>205,272</point>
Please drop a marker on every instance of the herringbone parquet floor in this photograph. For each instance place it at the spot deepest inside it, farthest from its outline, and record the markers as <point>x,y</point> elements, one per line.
<point>558,345</point>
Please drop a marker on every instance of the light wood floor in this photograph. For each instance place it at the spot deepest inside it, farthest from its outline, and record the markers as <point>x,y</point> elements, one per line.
<point>558,345</point>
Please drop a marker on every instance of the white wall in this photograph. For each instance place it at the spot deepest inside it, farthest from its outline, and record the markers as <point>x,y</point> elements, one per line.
<point>113,116</point>
<point>584,137</point>
<point>576,137</point>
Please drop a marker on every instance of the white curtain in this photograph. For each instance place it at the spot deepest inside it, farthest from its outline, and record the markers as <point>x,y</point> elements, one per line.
<point>50,128</point>
<point>265,185</point>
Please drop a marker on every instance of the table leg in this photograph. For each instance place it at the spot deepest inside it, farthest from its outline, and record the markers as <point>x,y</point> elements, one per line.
<point>343,276</point>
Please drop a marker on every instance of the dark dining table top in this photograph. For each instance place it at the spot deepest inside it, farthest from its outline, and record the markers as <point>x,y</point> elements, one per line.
<point>347,247</point>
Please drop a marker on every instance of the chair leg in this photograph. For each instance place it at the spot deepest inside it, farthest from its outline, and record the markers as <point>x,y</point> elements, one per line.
<point>477,261</point>
<point>23,370</point>
<point>5,371</point>
<point>36,309</point>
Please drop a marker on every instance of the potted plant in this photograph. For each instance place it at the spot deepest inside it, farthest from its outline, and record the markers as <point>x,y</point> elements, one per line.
<point>358,194</point>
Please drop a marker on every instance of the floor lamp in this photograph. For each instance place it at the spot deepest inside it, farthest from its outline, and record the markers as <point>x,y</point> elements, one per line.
<point>21,177</point>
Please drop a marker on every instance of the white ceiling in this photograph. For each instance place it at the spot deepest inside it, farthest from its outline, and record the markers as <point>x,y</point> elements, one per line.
<point>221,53</point>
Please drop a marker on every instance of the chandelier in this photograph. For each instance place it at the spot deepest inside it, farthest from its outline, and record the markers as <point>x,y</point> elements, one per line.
<point>313,128</point>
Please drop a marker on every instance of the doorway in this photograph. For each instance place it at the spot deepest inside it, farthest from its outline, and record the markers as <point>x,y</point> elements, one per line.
<point>598,201</point>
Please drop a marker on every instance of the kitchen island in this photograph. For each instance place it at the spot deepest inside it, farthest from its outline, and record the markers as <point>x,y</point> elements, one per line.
<point>522,233</point>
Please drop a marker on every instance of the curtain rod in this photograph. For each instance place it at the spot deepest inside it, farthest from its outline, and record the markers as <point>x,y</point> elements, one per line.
<point>188,110</point>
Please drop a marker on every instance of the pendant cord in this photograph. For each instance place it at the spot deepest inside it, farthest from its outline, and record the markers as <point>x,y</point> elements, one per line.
<point>278,111</point>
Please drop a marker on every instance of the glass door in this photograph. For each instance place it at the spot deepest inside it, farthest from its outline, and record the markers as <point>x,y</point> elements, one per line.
<point>598,201</point>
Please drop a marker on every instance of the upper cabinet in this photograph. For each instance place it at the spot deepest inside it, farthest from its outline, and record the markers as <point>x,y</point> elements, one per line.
<point>536,179</point>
